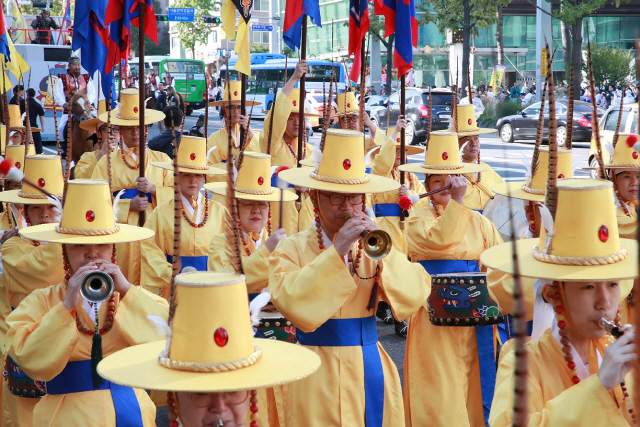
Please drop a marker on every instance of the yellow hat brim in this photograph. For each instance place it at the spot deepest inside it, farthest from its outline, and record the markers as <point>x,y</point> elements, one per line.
<point>12,196</point>
<point>619,166</point>
<point>514,189</point>
<point>91,124</point>
<point>301,177</point>
<point>48,233</point>
<point>479,131</point>
<point>210,171</point>
<point>150,116</point>
<point>296,111</point>
<point>500,258</point>
<point>24,128</point>
<point>138,366</point>
<point>419,168</point>
<point>308,162</point>
<point>221,189</point>
<point>233,102</point>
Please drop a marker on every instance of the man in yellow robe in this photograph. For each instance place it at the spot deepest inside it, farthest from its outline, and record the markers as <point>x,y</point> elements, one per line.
<point>283,145</point>
<point>349,116</point>
<point>320,281</point>
<point>89,160</point>
<point>201,218</point>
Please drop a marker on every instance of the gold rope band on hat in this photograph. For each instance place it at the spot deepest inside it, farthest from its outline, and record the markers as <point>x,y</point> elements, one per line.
<point>352,181</point>
<point>533,190</point>
<point>622,166</point>
<point>195,167</point>
<point>130,117</point>
<point>88,232</point>
<point>36,196</point>
<point>442,167</point>
<point>255,192</point>
<point>164,360</point>
<point>468,130</point>
<point>579,261</point>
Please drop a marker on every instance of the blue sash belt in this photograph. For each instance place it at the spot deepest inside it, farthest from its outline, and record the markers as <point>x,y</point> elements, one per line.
<point>76,378</point>
<point>484,334</point>
<point>130,193</point>
<point>386,209</point>
<point>358,332</point>
<point>367,170</point>
<point>506,330</point>
<point>478,210</point>
<point>197,262</point>
<point>252,297</point>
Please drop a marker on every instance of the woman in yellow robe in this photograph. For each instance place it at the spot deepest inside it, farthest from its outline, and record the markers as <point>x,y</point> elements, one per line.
<point>574,371</point>
<point>50,333</point>
<point>323,284</point>
<point>201,218</point>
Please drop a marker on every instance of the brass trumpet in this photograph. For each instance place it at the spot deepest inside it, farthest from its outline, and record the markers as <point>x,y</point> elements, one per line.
<point>97,286</point>
<point>376,244</point>
<point>610,327</point>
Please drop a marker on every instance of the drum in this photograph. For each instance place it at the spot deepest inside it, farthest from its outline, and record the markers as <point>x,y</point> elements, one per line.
<point>462,299</point>
<point>502,213</point>
<point>273,325</point>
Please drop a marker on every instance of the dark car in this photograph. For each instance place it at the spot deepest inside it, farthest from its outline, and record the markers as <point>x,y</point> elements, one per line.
<point>417,112</point>
<point>523,125</point>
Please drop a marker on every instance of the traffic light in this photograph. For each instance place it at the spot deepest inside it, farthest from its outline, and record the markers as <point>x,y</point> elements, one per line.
<point>42,4</point>
<point>212,20</point>
<point>162,18</point>
<point>457,36</point>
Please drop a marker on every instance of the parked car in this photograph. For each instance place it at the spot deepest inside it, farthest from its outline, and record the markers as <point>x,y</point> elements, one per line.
<point>316,100</point>
<point>524,124</point>
<point>608,124</point>
<point>417,112</point>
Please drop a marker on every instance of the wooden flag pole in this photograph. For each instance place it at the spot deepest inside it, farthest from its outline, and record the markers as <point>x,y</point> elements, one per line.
<point>301,126</point>
<point>143,133</point>
<point>243,108</point>
<point>403,154</point>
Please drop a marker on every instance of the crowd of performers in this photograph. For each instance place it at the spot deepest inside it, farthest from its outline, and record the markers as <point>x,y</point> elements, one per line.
<point>292,341</point>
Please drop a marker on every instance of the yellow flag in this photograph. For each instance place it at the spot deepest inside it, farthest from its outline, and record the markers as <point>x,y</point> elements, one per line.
<point>17,22</point>
<point>6,81</point>
<point>17,65</point>
<point>228,18</point>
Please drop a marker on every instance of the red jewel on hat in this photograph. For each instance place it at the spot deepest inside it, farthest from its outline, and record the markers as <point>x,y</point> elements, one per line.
<point>635,155</point>
<point>41,182</point>
<point>469,121</point>
<point>260,180</point>
<point>632,139</point>
<point>221,337</point>
<point>294,103</point>
<point>192,156</point>
<point>603,233</point>
<point>348,105</point>
<point>346,164</point>
<point>18,164</point>
<point>135,109</point>
<point>445,155</point>
<point>560,176</point>
<point>397,139</point>
<point>235,93</point>
<point>90,216</point>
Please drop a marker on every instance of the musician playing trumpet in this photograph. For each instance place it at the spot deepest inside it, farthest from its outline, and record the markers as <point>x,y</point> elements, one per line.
<point>447,237</point>
<point>323,282</point>
<point>58,337</point>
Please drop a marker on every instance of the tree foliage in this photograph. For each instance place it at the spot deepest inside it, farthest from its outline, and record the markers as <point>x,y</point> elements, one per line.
<point>571,11</point>
<point>259,48</point>
<point>610,66</point>
<point>57,9</point>
<point>192,33</point>
<point>150,48</point>
<point>449,14</point>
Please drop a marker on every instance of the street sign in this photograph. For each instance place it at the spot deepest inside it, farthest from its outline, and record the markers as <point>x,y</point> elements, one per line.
<point>256,27</point>
<point>181,14</point>
<point>543,62</point>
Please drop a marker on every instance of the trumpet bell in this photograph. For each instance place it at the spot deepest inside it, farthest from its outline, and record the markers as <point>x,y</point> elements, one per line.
<point>377,244</point>
<point>97,286</point>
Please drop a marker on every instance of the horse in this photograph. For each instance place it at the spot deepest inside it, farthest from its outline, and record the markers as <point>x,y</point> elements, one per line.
<point>80,108</point>
<point>150,97</point>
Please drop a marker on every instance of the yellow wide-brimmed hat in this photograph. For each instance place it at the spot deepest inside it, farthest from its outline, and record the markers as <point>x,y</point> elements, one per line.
<point>95,123</point>
<point>16,154</point>
<point>192,157</point>
<point>347,104</point>
<point>340,168</point>
<point>233,88</point>
<point>127,114</point>
<point>87,218</point>
<point>294,99</point>
<point>44,170</point>
<point>624,157</point>
<point>15,119</point>
<point>467,124</point>
<point>211,348</point>
<point>442,157</point>
<point>254,181</point>
<point>410,149</point>
<point>584,244</point>
<point>3,138</point>
<point>535,187</point>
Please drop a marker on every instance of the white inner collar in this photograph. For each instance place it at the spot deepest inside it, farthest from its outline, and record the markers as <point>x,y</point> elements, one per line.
<point>187,204</point>
<point>581,367</point>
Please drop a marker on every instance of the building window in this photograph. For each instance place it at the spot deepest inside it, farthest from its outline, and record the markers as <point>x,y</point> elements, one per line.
<point>215,37</point>
<point>261,37</point>
<point>262,5</point>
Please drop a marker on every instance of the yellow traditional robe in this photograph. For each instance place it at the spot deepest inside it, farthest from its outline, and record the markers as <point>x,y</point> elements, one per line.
<point>86,165</point>
<point>384,167</point>
<point>552,398</point>
<point>310,286</point>
<point>478,195</point>
<point>43,337</point>
<point>5,309</point>
<point>193,241</point>
<point>123,177</point>
<point>444,358</point>
<point>627,225</point>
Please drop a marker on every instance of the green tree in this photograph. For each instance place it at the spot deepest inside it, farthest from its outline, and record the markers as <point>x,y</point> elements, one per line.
<point>468,15</point>
<point>150,48</point>
<point>259,48</point>
<point>192,33</point>
<point>610,66</point>
<point>57,9</point>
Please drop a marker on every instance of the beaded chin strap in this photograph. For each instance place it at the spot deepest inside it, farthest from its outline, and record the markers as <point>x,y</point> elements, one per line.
<point>529,209</point>
<point>206,212</point>
<point>435,205</point>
